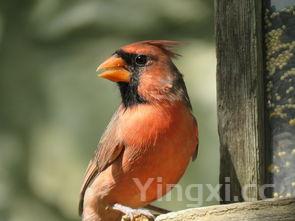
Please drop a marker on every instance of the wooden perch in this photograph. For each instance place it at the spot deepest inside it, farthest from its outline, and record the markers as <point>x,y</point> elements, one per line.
<point>266,210</point>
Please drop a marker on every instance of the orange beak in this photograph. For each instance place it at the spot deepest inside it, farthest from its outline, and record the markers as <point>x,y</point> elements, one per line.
<point>114,69</point>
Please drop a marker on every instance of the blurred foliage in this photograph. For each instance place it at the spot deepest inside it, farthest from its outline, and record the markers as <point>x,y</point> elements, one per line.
<point>53,110</point>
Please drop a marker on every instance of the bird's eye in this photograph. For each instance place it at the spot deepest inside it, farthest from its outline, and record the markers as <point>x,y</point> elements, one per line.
<point>141,60</point>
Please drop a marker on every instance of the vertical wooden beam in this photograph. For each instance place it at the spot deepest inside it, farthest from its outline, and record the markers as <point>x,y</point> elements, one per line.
<point>240,96</point>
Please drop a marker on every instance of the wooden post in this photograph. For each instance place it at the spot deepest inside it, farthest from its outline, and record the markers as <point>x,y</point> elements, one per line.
<point>240,97</point>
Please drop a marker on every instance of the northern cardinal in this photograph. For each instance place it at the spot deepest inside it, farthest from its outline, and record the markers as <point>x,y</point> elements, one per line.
<point>150,139</point>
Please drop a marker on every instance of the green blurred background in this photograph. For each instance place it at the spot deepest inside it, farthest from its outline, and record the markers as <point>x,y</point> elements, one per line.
<point>54,109</point>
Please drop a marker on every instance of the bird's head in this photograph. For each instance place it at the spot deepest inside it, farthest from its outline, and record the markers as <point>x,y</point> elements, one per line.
<point>145,73</point>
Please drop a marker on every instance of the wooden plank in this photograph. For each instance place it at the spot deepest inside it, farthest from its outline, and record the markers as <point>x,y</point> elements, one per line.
<point>240,97</point>
<point>266,210</point>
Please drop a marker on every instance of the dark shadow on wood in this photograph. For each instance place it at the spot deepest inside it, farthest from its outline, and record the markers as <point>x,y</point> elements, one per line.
<point>228,193</point>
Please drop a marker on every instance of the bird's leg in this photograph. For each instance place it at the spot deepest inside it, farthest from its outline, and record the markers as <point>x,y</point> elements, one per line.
<point>133,214</point>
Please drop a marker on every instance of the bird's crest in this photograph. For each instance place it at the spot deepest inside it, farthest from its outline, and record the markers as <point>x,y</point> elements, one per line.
<point>166,45</point>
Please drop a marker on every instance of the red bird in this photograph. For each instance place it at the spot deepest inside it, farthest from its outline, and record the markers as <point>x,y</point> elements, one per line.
<point>151,137</point>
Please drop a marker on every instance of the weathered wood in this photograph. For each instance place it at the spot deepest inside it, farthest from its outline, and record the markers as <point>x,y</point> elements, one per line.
<point>266,210</point>
<point>240,96</point>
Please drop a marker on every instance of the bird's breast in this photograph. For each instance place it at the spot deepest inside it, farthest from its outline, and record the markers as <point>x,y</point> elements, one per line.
<point>142,125</point>
<point>159,143</point>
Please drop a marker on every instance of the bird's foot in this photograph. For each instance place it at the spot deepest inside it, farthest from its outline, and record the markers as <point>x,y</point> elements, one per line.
<point>134,214</point>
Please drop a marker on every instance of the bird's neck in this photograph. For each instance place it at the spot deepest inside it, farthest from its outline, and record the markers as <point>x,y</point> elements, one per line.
<point>129,94</point>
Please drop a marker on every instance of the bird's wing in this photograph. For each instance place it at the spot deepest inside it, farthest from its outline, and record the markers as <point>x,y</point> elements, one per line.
<point>195,154</point>
<point>108,150</point>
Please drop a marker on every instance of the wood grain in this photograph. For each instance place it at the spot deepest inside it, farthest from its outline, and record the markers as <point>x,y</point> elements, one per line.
<point>266,210</point>
<point>240,96</point>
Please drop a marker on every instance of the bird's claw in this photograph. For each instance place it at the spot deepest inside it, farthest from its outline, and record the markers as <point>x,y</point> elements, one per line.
<point>134,214</point>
